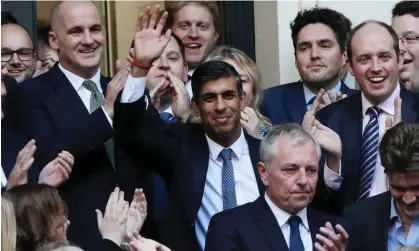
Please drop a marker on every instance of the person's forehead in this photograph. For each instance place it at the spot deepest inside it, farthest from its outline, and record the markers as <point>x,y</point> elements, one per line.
<point>405,23</point>
<point>316,32</point>
<point>410,178</point>
<point>193,13</point>
<point>15,37</point>
<point>172,46</point>
<point>372,38</point>
<point>220,85</point>
<point>79,14</point>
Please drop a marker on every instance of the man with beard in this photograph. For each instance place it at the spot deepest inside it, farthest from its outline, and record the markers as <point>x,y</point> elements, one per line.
<point>390,220</point>
<point>405,22</point>
<point>319,37</point>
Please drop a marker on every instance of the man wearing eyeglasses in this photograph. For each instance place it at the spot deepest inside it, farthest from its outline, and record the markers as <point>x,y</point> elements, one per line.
<point>405,22</point>
<point>17,52</point>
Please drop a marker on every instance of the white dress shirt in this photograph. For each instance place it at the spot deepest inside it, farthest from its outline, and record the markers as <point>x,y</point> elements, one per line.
<point>245,182</point>
<point>3,178</point>
<point>379,181</point>
<point>132,88</point>
<point>282,218</point>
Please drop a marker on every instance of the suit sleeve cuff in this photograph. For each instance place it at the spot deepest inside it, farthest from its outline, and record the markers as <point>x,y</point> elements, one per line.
<point>134,89</point>
<point>333,180</point>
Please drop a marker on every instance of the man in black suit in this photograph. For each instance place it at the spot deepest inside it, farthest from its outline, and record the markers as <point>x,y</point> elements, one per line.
<point>391,220</point>
<point>65,108</point>
<point>318,37</point>
<point>280,220</point>
<point>375,60</point>
<point>208,167</point>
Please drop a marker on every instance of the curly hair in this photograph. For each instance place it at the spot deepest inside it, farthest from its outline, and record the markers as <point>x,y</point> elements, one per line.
<point>340,24</point>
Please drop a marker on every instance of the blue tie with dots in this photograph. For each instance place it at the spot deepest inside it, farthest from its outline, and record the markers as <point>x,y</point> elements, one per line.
<point>296,244</point>
<point>228,184</point>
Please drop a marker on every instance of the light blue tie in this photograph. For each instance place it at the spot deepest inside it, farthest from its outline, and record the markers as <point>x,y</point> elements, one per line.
<point>168,118</point>
<point>296,244</point>
<point>228,184</point>
<point>369,151</point>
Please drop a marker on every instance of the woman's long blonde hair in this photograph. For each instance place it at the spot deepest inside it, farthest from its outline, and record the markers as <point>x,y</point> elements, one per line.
<point>252,71</point>
<point>8,225</point>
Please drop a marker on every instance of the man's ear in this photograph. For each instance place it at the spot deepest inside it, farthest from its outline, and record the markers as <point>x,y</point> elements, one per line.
<point>53,40</point>
<point>216,35</point>
<point>263,173</point>
<point>185,72</point>
<point>195,107</point>
<point>349,64</point>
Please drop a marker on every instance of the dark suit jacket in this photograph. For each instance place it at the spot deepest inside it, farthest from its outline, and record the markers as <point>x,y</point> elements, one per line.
<point>179,153</point>
<point>370,222</point>
<point>11,144</point>
<point>345,118</point>
<point>254,227</point>
<point>50,110</point>
<point>286,103</point>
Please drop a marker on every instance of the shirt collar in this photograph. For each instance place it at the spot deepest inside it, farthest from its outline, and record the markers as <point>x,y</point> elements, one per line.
<point>387,106</point>
<point>77,81</point>
<point>308,94</point>
<point>282,216</point>
<point>238,147</point>
<point>393,211</point>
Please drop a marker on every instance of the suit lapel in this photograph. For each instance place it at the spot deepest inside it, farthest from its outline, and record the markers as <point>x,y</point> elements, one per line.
<point>296,104</point>
<point>344,88</point>
<point>254,145</point>
<point>408,103</point>
<point>269,225</point>
<point>66,92</point>
<point>314,222</point>
<point>382,223</point>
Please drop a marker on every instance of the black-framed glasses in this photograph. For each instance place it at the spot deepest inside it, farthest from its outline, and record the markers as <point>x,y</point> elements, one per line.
<point>24,54</point>
<point>410,39</point>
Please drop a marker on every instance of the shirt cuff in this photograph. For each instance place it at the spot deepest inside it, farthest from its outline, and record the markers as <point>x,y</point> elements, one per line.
<point>134,89</point>
<point>333,180</point>
<point>107,117</point>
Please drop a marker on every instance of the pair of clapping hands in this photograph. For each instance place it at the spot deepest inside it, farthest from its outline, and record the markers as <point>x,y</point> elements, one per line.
<point>122,221</point>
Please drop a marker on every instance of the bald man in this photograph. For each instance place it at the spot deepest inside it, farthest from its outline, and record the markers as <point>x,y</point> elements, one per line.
<point>71,107</point>
<point>17,52</point>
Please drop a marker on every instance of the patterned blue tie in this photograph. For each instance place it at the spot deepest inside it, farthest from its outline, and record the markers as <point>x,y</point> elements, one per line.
<point>369,151</point>
<point>227,178</point>
<point>296,244</point>
<point>168,118</point>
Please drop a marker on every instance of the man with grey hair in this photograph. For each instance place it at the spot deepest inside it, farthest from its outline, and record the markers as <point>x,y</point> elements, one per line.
<point>280,220</point>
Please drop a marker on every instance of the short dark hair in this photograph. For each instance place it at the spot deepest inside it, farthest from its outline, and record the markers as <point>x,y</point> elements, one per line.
<point>38,208</point>
<point>7,18</point>
<point>390,30</point>
<point>210,71</point>
<point>340,24</point>
<point>406,8</point>
<point>399,148</point>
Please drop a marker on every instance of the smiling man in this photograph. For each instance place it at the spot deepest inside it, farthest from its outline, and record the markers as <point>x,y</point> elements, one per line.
<point>318,36</point>
<point>17,52</point>
<point>405,22</point>
<point>374,59</point>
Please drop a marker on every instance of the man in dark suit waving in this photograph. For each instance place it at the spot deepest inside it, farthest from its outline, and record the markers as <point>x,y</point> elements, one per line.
<point>318,36</point>
<point>374,59</point>
<point>71,108</point>
<point>280,220</point>
<point>209,167</point>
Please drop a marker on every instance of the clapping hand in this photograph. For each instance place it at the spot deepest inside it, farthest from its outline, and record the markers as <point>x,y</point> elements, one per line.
<point>58,170</point>
<point>113,224</point>
<point>19,174</point>
<point>397,114</point>
<point>137,212</point>
<point>181,102</point>
<point>139,243</point>
<point>332,240</point>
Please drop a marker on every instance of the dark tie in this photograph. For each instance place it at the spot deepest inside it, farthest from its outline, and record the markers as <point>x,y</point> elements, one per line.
<point>227,180</point>
<point>96,101</point>
<point>369,151</point>
<point>168,118</point>
<point>296,244</point>
<point>310,102</point>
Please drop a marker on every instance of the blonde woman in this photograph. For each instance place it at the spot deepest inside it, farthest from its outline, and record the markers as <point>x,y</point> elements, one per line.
<point>252,120</point>
<point>8,225</point>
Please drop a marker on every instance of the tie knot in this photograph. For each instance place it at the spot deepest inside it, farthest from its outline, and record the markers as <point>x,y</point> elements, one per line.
<point>91,86</point>
<point>294,221</point>
<point>374,111</point>
<point>225,154</point>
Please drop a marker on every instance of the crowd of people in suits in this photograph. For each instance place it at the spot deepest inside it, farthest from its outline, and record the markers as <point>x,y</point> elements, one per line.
<point>224,164</point>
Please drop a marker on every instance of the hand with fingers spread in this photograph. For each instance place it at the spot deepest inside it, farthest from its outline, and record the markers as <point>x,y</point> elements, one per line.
<point>149,42</point>
<point>113,224</point>
<point>139,243</point>
<point>250,122</point>
<point>137,212</point>
<point>328,97</point>
<point>181,102</point>
<point>19,174</point>
<point>330,239</point>
<point>114,88</point>
<point>58,170</point>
